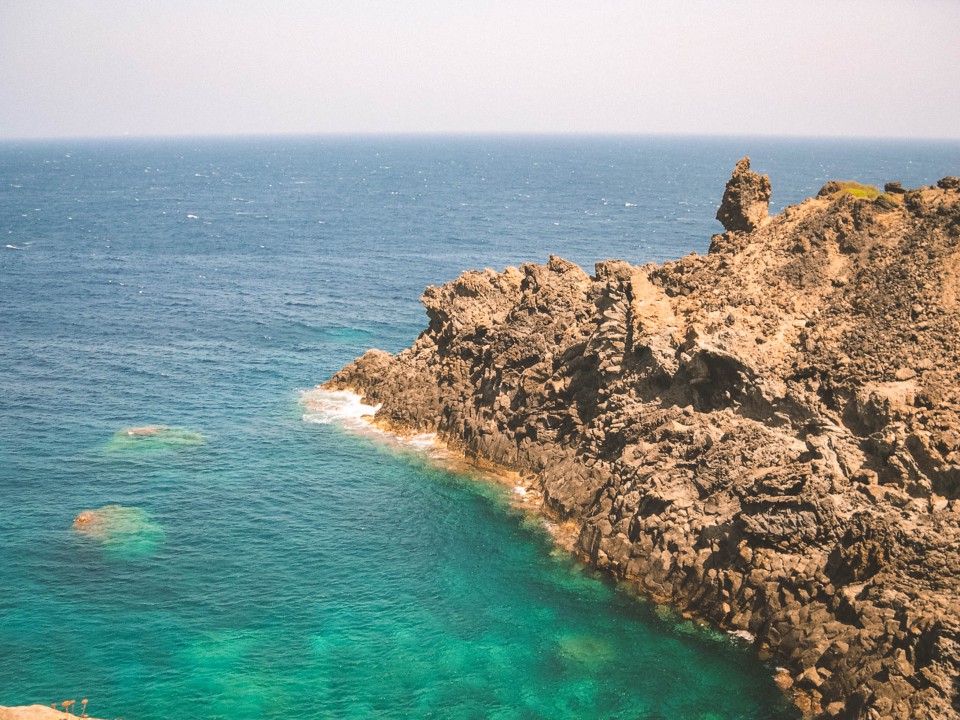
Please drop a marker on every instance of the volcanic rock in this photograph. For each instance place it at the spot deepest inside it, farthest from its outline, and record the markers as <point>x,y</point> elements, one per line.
<point>746,199</point>
<point>767,436</point>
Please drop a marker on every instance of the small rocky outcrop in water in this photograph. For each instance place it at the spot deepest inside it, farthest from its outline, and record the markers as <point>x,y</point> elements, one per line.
<point>746,199</point>
<point>152,438</point>
<point>768,435</point>
<point>124,531</point>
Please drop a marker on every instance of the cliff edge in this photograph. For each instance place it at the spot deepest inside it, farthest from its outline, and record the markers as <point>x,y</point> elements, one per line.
<point>767,436</point>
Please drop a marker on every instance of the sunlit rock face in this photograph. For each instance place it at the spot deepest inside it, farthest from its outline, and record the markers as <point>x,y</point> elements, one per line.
<point>746,200</point>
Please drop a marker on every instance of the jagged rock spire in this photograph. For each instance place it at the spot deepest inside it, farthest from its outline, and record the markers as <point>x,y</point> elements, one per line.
<point>745,200</point>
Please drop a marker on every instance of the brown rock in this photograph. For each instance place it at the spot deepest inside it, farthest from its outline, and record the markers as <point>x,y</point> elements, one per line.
<point>805,489</point>
<point>746,199</point>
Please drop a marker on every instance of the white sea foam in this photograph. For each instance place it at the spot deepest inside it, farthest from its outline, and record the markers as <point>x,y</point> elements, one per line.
<point>347,409</point>
<point>337,406</point>
<point>422,441</point>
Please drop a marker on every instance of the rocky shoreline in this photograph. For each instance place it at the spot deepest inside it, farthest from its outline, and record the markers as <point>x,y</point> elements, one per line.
<point>767,436</point>
<point>36,712</point>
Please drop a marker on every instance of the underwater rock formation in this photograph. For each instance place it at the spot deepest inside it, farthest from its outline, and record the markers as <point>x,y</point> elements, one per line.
<point>154,437</point>
<point>126,531</point>
<point>767,436</point>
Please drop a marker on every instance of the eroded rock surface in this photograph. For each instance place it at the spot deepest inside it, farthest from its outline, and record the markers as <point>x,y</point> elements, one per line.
<point>746,200</point>
<point>768,435</point>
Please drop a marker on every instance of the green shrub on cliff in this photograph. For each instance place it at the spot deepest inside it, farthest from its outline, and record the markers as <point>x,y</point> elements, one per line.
<point>858,190</point>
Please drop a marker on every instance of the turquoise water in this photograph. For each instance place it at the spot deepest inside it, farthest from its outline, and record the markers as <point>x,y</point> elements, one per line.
<point>261,566</point>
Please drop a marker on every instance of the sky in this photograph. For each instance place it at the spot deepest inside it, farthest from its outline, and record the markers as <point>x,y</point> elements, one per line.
<point>851,68</point>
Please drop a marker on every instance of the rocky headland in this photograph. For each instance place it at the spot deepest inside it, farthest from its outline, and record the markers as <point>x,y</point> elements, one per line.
<point>767,436</point>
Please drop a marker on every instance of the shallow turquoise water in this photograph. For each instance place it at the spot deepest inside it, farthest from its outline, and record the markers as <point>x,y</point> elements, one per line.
<point>271,567</point>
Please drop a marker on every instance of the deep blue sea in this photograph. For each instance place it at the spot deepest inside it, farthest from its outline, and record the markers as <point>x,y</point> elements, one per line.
<point>264,566</point>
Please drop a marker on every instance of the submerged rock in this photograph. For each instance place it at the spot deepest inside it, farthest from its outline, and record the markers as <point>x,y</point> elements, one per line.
<point>767,436</point>
<point>154,437</point>
<point>585,649</point>
<point>127,531</point>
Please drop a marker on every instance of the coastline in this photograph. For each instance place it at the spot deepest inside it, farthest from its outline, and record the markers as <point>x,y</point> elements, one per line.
<point>767,437</point>
<point>525,496</point>
<point>524,493</point>
<point>35,712</point>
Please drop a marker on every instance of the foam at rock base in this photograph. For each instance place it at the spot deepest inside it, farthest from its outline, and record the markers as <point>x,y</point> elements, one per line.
<point>347,410</point>
<point>339,406</point>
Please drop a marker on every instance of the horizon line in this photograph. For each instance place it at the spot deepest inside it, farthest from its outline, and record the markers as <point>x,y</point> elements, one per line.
<point>518,134</point>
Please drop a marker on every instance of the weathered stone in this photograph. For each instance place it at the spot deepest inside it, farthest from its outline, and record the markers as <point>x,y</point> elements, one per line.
<point>805,488</point>
<point>746,199</point>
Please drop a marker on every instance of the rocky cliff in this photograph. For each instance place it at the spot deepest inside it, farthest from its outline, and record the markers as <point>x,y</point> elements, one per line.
<point>767,436</point>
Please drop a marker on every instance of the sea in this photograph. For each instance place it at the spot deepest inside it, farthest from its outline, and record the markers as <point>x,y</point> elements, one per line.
<point>164,306</point>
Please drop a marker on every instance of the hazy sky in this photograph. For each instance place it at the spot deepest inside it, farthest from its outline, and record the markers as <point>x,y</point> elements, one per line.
<point>166,67</point>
